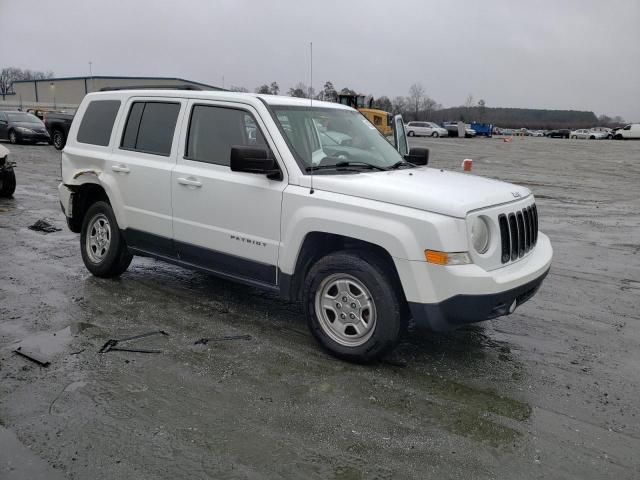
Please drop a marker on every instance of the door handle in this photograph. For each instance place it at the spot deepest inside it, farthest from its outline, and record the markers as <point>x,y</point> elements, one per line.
<point>120,168</point>
<point>190,181</point>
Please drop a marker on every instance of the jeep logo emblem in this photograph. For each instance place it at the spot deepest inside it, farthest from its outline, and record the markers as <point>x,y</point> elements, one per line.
<point>516,194</point>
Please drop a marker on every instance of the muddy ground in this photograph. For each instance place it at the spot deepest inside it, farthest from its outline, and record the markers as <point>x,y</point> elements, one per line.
<point>550,392</point>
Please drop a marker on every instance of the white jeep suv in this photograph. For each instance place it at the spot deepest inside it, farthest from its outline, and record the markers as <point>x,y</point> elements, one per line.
<point>250,188</point>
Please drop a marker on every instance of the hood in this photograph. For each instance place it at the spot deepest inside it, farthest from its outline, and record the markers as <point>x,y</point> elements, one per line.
<point>429,189</point>
<point>3,151</point>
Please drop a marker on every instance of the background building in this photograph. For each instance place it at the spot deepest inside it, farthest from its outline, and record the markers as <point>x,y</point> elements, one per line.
<point>67,93</point>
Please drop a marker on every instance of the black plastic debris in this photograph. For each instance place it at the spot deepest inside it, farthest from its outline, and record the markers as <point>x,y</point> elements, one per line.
<point>205,341</point>
<point>111,345</point>
<point>44,226</point>
<point>33,357</point>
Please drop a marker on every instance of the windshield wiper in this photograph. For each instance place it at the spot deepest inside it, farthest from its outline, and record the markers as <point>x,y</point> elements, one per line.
<point>344,165</point>
<point>401,163</point>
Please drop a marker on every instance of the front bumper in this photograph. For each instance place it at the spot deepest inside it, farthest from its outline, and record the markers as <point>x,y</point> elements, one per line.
<point>463,309</point>
<point>443,298</point>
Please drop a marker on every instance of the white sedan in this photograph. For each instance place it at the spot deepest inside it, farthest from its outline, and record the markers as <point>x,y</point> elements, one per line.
<point>425,129</point>
<point>585,133</point>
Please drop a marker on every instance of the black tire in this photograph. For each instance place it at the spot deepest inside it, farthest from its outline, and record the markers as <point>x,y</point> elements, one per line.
<point>13,137</point>
<point>58,139</point>
<point>7,183</point>
<point>116,257</point>
<point>384,296</point>
<point>592,137</point>
<point>618,137</point>
<point>435,134</point>
<point>410,133</point>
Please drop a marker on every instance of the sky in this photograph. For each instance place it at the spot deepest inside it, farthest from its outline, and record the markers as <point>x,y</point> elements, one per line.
<point>569,54</point>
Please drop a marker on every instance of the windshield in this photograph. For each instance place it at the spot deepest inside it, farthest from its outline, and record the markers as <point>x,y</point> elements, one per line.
<point>324,137</point>
<point>23,117</point>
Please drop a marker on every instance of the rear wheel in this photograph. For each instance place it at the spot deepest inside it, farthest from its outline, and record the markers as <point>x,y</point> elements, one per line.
<point>573,137</point>
<point>58,139</point>
<point>7,183</point>
<point>352,306</point>
<point>435,134</point>
<point>103,249</point>
<point>410,133</point>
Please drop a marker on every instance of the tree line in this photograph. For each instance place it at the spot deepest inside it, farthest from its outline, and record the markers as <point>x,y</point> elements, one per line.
<point>416,105</point>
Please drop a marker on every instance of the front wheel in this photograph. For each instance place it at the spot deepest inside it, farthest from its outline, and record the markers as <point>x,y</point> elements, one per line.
<point>7,183</point>
<point>352,306</point>
<point>410,133</point>
<point>103,249</point>
<point>435,134</point>
<point>13,137</point>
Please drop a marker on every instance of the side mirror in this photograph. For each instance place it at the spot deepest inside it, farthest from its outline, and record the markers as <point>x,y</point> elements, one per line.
<point>254,160</point>
<point>418,156</point>
<point>3,122</point>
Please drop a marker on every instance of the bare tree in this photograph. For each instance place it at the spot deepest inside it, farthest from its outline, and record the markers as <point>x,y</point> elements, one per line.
<point>264,89</point>
<point>300,90</point>
<point>416,97</point>
<point>399,105</point>
<point>274,88</point>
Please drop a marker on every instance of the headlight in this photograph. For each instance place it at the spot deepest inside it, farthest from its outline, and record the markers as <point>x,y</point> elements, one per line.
<point>480,235</point>
<point>24,130</point>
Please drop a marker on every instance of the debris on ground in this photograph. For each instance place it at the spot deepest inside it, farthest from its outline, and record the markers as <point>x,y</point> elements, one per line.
<point>111,344</point>
<point>204,341</point>
<point>33,357</point>
<point>44,226</point>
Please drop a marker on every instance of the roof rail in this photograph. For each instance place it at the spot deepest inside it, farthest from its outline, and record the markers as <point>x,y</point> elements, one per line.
<point>148,87</point>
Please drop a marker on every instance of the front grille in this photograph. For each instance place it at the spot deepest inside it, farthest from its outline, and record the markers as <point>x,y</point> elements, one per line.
<point>518,233</point>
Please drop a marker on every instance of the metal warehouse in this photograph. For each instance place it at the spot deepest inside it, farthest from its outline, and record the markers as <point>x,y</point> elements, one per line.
<point>68,92</point>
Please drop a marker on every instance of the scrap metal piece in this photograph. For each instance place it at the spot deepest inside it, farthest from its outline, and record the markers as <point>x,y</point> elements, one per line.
<point>33,357</point>
<point>204,341</point>
<point>111,344</point>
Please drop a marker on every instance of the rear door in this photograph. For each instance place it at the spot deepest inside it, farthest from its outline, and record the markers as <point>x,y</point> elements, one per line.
<point>227,222</point>
<point>141,164</point>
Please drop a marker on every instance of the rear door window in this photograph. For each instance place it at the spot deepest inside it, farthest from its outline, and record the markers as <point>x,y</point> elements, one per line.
<point>97,122</point>
<point>150,127</point>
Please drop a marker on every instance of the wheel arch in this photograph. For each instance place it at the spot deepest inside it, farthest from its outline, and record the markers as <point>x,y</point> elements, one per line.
<point>85,195</point>
<point>317,245</point>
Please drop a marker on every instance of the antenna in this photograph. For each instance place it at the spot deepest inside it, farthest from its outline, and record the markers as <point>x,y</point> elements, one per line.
<point>311,104</point>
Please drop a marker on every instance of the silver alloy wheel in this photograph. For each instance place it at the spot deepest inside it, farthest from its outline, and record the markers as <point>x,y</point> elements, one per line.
<point>13,137</point>
<point>98,238</point>
<point>345,310</point>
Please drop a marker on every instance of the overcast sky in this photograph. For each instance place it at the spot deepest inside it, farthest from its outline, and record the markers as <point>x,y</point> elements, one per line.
<point>580,54</point>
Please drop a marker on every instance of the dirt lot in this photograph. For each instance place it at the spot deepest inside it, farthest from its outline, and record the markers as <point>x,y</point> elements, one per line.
<point>549,392</point>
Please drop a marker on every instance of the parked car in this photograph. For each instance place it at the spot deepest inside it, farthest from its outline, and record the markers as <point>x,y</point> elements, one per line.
<point>585,133</point>
<point>425,129</point>
<point>370,240</point>
<point>560,133</point>
<point>58,125</point>
<point>19,127</point>
<point>628,132</point>
<point>536,133</point>
<point>7,174</point>
<point>452,129</point>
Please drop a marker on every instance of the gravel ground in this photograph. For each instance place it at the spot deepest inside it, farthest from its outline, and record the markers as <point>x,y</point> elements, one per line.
<point>548,392</point>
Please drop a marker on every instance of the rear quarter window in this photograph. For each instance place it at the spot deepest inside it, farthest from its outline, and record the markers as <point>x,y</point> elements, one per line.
<point>97,122</point>
<point>150,127</point>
